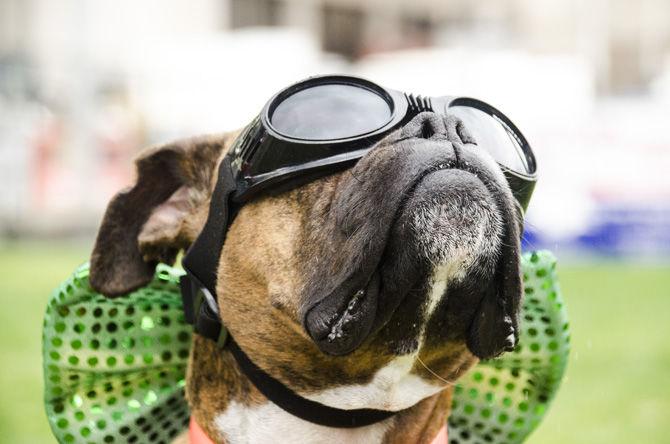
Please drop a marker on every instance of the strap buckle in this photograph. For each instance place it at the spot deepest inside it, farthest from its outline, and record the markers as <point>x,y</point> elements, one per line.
<point>201,310</point>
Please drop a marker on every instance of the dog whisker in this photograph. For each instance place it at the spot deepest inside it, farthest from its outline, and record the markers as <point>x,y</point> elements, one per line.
<point>446,382</point>
<point>351,171</point>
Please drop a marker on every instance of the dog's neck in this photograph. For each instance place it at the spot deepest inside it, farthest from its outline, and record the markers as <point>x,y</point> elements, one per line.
<point>230,409</point>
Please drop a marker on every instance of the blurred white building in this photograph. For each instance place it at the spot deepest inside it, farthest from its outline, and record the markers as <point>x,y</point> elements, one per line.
<point>84,85</point>
<point>627,41</point>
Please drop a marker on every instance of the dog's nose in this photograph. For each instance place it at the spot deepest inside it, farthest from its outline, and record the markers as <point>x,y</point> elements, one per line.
<point>426,125</point>
<point>433,126</point>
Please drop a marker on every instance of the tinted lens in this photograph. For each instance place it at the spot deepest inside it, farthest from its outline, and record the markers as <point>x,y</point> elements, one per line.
<point>495,136</point>
<point>328,112</point>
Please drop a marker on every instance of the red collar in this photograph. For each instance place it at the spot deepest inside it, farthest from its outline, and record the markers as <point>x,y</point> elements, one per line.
<point>197,435</point>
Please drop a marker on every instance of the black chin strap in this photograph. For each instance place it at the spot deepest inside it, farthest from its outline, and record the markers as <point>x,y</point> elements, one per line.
<point>198,289</point>
<point>206,322</point>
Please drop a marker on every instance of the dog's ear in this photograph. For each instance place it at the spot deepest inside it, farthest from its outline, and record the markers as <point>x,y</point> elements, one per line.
<point>495,327</point>
<point>159,215</point>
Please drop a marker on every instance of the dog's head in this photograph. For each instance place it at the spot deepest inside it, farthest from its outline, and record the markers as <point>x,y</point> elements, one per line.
<point>410,256</point>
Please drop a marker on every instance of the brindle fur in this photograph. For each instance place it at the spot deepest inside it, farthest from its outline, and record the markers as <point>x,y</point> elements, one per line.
<point>266,267</point>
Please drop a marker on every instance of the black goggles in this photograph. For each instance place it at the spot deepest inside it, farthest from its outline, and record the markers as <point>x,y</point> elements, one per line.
<point>326,123</point>
<point>310,129</point>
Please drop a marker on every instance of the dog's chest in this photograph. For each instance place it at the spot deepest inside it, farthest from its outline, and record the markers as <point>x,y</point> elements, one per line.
<point>394,387</point>
<point>241,424</point>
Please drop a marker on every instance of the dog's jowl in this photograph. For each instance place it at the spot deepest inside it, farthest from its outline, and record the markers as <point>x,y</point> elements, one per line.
<point>373,287</point>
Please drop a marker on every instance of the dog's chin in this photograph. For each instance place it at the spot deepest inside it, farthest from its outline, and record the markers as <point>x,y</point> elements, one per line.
<point>448,231</point>
<point>448,219</point>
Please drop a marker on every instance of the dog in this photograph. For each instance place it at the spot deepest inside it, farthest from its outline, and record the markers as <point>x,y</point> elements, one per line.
<point>424,224</point>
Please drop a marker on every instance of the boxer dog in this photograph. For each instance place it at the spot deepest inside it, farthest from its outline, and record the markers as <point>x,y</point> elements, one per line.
<point>425,222</point>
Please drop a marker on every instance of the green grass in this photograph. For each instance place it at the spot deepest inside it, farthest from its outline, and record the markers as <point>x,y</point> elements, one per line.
<point>617,385</point>
<point>29,273</point>
<point>617,388</point>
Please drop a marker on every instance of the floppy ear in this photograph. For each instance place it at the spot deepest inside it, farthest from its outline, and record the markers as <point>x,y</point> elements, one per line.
<point>495,327</point>
<point>161,214</point>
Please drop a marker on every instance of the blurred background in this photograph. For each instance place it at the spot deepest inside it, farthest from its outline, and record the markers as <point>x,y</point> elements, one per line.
<point>84,85</point>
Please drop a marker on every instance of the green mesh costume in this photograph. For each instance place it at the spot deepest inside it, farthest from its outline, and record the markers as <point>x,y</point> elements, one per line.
<point>114,369</point>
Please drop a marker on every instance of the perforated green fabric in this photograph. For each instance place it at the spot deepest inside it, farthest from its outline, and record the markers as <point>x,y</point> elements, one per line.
<point>503,400</point>
<point>114,368</point>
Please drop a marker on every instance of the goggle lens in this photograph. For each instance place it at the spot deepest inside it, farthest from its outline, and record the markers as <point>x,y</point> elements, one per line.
<point>327,123</point>
<point>494,135</point>
<point>330,112</point>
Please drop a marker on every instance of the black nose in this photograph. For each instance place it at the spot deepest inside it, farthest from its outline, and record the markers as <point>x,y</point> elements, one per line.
<point>426,125</point>
<point>430,125</point>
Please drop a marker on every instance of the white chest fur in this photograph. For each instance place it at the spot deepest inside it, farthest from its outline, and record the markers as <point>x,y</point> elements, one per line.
<point>392,388</point>
<point>267,423</point>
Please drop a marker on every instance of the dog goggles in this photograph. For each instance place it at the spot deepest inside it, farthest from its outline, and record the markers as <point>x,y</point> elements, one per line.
<point>326,123</point>
<point>308,130</point>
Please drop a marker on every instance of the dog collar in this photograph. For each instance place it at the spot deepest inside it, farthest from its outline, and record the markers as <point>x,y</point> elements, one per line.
<point>196,435</point>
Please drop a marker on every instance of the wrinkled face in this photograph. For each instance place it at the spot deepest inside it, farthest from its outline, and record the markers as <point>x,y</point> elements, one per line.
<point>373,287</point>
<point>409,256</point>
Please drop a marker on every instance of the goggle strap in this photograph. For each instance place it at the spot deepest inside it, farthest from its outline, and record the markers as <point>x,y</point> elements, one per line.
<point>201,311</point>
<point>303,408</point>
<point>202,259</point>
<point>198,287</point>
